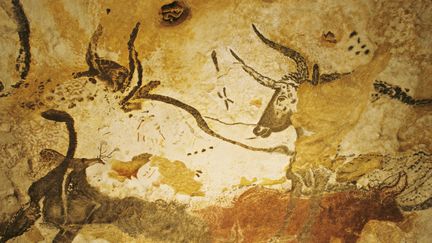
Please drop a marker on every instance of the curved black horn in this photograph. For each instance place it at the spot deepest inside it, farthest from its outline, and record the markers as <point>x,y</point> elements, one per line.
<point>300,61</point>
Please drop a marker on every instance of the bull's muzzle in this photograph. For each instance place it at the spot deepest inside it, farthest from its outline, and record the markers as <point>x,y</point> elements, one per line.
<point>261,131</point>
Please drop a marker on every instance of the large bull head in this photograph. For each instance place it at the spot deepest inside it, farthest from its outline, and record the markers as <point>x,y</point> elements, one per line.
<point>276,116</point>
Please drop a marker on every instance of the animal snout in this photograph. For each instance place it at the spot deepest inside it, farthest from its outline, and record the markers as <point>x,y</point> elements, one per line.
<point>262,131</point>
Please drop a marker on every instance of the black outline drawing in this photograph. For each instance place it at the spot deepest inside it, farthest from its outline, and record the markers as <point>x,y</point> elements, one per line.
<point>276,116</point>
<point>24,57</point>
<point>224,97</point>
<point>395,92</point>
<point>113,74</point>
<point>144,93</point>
<point>70,202</point>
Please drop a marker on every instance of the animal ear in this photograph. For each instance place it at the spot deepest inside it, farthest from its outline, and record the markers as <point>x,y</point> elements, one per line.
<point>315,74</point>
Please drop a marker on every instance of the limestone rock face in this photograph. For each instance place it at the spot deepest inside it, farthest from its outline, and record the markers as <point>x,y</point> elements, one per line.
<point>215,121</point>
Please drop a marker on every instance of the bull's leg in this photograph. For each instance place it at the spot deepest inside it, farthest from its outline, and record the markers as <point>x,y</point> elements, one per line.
<point>90,214</point>
<point>67,234</point>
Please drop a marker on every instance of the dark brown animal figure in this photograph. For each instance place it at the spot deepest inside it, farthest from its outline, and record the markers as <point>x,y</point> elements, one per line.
<point>116,76</point>
<point>50,188</point>
<point>70,202</point>
<point>261,214</point>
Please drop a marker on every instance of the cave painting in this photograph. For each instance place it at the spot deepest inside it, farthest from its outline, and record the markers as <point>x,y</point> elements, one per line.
<point>276,116</point>
<point>188,179</point>
<point>70,202</point>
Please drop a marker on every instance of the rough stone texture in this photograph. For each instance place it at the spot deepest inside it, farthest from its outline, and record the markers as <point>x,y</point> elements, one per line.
<point>202,151</point>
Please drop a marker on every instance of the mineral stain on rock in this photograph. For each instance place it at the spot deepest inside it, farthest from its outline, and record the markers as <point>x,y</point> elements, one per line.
<point>178,176</point>
<point>172,173</point>
<point>174,13</point>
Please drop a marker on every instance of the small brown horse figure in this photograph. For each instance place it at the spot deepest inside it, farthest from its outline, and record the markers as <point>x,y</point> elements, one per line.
<point>276,116</point>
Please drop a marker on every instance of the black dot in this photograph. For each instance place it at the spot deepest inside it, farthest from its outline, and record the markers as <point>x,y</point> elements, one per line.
<point>366,52</point>
<point>189,154</point>
<point>130,115</point>
<point>108,10</point>
<point>358,40</point>
<point>357,52</point>
<point>350,48</point>
<point>195,152</point>
<point>354,33</point>
<point>203,150</point>
<point>211,147</point>
<point>363,46</point>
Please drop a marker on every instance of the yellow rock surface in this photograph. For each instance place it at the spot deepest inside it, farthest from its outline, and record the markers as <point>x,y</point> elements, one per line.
<point>331,110</point>
<point>178,176</point>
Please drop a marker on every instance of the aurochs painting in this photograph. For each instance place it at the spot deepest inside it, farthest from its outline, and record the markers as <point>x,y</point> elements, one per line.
<point>215,121</point>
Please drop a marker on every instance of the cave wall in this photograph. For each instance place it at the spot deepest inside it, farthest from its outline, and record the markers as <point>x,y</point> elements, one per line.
<point>215,121</point>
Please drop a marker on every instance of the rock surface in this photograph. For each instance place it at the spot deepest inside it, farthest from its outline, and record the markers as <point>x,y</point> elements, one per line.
<point>216,121</point>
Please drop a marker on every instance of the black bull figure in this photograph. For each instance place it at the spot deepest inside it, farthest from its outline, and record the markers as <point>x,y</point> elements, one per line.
<point>276,116</point>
